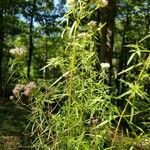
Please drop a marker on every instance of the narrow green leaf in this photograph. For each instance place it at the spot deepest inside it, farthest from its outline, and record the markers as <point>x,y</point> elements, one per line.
<point>130,59</point>
<point>126,70</point>
<point>124,94</point>
<point>144,38</point>
<point>130,68</point>
<point>71,30</point>
<point>62,35</point>
<point>45,67</point>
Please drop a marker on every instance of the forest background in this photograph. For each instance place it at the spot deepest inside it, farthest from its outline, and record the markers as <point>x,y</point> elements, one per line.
<point>79,70</point>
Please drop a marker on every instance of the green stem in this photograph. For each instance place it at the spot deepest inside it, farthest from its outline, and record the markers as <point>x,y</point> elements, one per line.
<point>72,69</point>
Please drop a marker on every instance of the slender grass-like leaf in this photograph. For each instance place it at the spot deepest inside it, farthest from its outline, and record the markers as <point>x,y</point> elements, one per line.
<point>131,58</point>
<point>144,38</point>
<point>130,68</point>
<point>72,29</point>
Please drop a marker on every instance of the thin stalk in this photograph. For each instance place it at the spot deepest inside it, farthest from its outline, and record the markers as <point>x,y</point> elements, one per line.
<point>72,69</point>
<point>116,131</point>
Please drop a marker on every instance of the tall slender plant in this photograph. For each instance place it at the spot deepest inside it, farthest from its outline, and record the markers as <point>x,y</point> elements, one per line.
<point>86,111</point>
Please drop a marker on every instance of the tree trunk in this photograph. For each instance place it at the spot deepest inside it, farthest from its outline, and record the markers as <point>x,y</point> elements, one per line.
<point>123,54</point>
<point>147,22</point>
<point>107,17</point>
<point>31,45</point>
<point>1,45</point>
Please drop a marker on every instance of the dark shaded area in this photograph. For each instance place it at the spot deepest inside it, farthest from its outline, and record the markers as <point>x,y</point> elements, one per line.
<point>13,122</point>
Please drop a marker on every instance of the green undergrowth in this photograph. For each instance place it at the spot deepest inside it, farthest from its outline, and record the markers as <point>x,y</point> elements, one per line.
<point>13,122</point>
<point>126,142</point>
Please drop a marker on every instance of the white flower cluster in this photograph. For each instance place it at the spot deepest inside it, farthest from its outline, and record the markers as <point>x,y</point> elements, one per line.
<point>92,23</point>
<point>18,52</point>
<point>105,2</point>
<point>83,35</point>
<point>105,65</point>
<point>66,75</point>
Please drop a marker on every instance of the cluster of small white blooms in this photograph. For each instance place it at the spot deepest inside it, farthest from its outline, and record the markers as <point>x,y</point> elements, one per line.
<point>105,2</point>
<point>105,65</point>
<point>29,88</point>
<point>66,75</point>
<point>11,97</point>
<point>18,52</point>
<point>17,90</point>
<point>83,35</point>
<point>92,23</point>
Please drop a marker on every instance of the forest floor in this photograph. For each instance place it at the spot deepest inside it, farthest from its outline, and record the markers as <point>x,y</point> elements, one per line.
<point>13,135</point>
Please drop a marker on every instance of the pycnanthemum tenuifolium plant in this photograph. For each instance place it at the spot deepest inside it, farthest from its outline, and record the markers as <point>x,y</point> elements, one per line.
<point>76,111</point>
